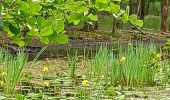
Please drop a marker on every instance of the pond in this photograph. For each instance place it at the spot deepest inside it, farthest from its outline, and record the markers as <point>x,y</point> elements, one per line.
<point>124,71</point>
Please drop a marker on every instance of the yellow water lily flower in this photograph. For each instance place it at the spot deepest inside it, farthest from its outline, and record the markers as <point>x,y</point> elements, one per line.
<point>122,59</point>
<point>130,44</point>
<point>4,74</point>
<point>46,84</point>
<point>85,83</point>
<point>45,70</point>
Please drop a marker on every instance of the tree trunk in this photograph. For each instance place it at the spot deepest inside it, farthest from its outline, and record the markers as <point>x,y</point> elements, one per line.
<point>165,7</point>
<point>142,13</point>
<point>138,8</point>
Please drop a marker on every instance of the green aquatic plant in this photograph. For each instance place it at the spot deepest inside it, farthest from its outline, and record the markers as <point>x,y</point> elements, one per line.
<point>134,66</point>
<point>13,66</point>
<point>73,65</point>
<point>101,61</point>
<point>72,60</point>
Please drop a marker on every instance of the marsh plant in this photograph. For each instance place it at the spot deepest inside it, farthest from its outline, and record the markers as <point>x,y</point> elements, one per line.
<point>11,68</point>
<point>72,60</point>
<point>134,66</point>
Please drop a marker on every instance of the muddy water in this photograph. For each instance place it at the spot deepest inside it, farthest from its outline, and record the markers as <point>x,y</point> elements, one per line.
<point>86,47</point>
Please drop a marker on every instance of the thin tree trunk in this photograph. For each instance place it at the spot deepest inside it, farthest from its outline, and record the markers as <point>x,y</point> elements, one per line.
<point>138,9</point>
<point>142,13</point>
<point>165,7</point>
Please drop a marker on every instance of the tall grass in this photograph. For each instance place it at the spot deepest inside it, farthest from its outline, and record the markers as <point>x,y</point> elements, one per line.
<point>137,69</point>
<point>130,67</point>
<point>11,67</point>
<point>100,61</point>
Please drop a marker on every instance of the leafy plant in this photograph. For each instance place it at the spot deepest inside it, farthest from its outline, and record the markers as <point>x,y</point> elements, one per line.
<point>45,20</point>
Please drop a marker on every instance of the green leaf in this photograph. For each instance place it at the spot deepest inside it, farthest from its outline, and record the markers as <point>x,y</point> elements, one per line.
<point>6,29</point>
<point>82,10</point>
<point>18,41</point>
<point>14,29</point>
<point>46,31</point>
<point>44,40</point>
<point>58,38</point>
<point>102,3</point>
<point>125,17</point>
<point>76,16</point>
<point>70,20</point>
<point>59,1</point>
<point>114,7</point>
<point>93,17</point>
<point>34,8</point>
<point>133,19</point>
<point>34,32</point>
<point>62,38</point>
<point>41,21</point>
<point>58,26</point>
<point>24,6</point>
<point>139,23</point>
<point>31,20</point>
